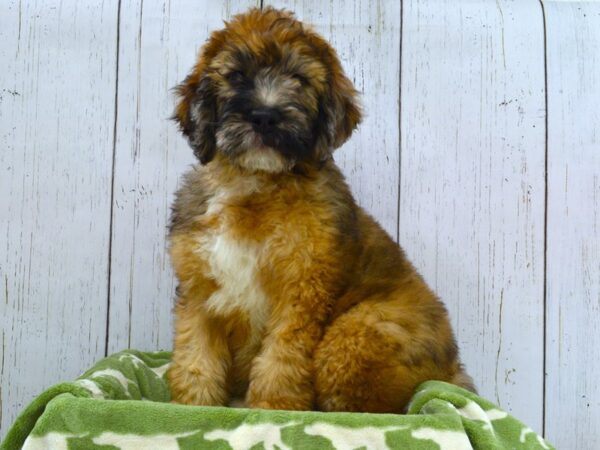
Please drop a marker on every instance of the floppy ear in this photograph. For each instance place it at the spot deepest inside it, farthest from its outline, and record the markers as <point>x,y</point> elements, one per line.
<point>343,109</point>
<point>197,115</point>
<point>339,112</point>
<point>196,111</point>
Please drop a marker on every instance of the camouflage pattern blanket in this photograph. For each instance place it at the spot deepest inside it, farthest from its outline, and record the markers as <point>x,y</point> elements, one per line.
<point>122,403</point>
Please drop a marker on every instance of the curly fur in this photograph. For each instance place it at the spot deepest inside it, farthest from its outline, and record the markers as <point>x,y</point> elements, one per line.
<point>289,295</point>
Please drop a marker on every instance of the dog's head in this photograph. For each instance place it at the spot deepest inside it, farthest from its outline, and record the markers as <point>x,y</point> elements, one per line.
<point>267,93</point>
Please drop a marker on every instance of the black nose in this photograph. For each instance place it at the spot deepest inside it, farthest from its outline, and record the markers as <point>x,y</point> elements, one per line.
<point>264,119</point>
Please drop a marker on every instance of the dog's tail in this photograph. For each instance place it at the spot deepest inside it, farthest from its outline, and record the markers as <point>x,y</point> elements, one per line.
<point>463,380</point>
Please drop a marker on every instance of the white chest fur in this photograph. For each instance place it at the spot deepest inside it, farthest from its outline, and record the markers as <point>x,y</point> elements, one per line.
<point>233,264</point>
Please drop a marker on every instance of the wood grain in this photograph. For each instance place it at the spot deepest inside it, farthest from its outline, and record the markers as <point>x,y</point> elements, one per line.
<point>472,183</point>
<point>157,47</point>
<point>573,239</point>
<point>451,158</point>
<point>366,35</point>
<point>56,131</point>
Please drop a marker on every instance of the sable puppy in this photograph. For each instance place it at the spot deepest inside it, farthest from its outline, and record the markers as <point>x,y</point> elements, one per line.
<point>289,294</point>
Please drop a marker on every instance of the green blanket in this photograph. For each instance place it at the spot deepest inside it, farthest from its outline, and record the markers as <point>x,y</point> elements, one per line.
<point>122,403</point>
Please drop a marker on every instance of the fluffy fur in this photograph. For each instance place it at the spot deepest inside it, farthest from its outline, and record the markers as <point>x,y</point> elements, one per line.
<point>289,294</point>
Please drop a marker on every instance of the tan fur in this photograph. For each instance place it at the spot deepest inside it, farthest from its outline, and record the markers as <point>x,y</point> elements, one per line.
<point>289,294</point>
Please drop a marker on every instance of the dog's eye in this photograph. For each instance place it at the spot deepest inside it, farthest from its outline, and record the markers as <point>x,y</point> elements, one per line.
<point>236,77</point>
<point>301,78</point>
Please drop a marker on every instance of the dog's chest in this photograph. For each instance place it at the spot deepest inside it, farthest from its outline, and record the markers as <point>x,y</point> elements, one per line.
<point>234,263</point>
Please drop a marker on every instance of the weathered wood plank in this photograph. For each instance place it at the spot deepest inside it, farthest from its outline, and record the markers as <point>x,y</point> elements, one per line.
<point>472,183</point>
<point>366,35</point>
<point>157,47</point>
<point>56,134</point>
<point>573,239</point>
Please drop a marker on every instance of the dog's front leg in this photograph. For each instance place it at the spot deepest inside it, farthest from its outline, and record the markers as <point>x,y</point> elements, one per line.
<point>201,357</point>
<point>282,374</point>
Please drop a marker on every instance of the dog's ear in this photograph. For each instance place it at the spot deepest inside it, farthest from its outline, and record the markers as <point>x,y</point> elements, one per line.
<point>196,111</point>
<point>197,115</point>
<point>342,109</point>
<point>340,112</point>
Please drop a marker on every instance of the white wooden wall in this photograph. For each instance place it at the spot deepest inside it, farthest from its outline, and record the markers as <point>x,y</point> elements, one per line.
<point>480,153</point>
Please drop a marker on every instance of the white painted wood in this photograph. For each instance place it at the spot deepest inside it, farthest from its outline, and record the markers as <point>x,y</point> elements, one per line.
<point>471,170</point>
<point>472,183</point>
<point>573,237</point>
<point>366,35</point>
<point>56,133</point>
<point>157,47</point>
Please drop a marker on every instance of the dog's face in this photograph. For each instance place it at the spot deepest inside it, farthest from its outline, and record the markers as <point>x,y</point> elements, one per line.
<point>267,93</point>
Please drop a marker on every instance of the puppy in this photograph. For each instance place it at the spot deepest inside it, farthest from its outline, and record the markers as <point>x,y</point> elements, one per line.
<point>290,295</point>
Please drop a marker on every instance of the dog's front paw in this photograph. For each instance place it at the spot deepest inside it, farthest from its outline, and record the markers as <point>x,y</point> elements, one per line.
<point>289,404</point>
<point>190,387</point>
<point>278,398</point>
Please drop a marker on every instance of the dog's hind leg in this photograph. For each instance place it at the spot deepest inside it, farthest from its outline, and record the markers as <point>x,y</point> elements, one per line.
<point>373,357</point>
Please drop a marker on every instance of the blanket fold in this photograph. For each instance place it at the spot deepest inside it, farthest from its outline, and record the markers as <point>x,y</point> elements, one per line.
<point>122,403</point>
